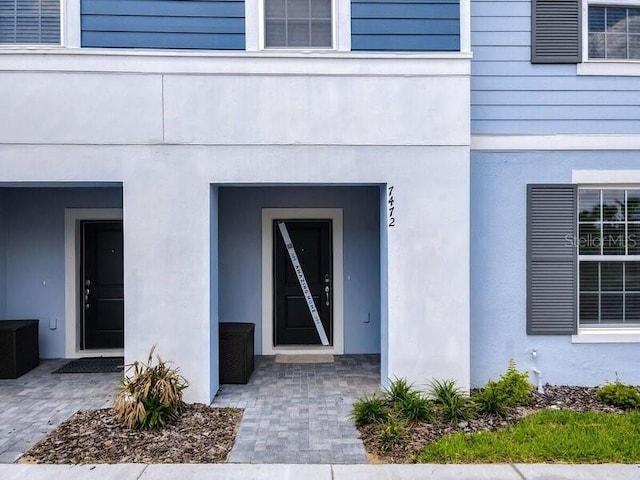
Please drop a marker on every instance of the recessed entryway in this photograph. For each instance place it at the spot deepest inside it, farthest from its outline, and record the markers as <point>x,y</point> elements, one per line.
<point>343,221</point>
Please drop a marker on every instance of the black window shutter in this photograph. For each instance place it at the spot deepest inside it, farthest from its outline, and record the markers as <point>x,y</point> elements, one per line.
<point>556,31</point>
<point>551,260</point>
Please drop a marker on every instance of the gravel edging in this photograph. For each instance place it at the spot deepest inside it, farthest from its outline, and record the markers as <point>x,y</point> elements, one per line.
<point>580,399</point>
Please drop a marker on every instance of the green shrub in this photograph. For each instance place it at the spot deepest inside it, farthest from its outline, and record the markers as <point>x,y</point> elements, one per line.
<point>514,386</point>
<point>442,391</point>
<point>619,395</point>
<point>151,397</point>
<point>415,408</point>
<point>457,409</point>
<point>454,404</point>
<point>399,390</point>
<point>392,432</point>
<point>491,400</point>
<point>369,410</point>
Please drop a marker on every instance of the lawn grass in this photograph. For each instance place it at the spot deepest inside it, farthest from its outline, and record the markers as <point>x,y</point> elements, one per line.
<point>547,436</point>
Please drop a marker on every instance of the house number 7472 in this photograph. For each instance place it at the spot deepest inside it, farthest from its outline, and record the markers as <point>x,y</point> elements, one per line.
<point>390,201</point>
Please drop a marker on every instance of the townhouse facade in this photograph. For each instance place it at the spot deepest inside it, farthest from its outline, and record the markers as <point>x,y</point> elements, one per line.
<point>555,158</point>
<point>425,160</point>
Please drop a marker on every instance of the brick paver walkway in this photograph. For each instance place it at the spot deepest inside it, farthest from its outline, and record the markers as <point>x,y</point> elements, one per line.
<point>294,413</point>
<point>299,413</point>
<point>37,402</point>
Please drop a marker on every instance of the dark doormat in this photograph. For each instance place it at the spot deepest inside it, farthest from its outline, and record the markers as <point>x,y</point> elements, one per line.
<point>93,365</point>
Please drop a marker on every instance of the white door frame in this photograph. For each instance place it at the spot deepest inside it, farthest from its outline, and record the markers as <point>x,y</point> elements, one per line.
<point>72,260</point>
<point>268,216</point>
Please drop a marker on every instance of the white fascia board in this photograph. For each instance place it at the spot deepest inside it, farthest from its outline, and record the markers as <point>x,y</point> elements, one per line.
<point>604,177</point>
<point>555,142</point>
<point>235,63</point>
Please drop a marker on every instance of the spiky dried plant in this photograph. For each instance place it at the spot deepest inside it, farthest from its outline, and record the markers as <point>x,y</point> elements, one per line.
<point>151,396</point>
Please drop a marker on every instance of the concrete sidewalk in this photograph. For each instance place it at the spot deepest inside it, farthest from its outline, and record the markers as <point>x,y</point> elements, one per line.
<point>319,472</point>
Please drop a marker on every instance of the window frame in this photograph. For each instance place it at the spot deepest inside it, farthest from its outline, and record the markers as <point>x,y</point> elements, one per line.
<point>603,333</point>
<point>604,66</point>
<point>263,31</point>
<point>255,29</point>
<point>69,29</point>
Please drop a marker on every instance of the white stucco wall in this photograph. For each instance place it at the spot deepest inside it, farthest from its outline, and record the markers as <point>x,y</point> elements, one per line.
<point>167,135</point>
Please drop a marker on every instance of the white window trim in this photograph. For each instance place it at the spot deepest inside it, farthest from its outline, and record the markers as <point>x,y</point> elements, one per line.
<point>606,335</point>
<point>601,66</point>
<point>254,28</point>
<point>70,23</point>
<point>623,179</point>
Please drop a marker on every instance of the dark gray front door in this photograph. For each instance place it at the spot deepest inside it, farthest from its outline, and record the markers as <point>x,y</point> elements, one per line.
<point>293,323</point>
<point>102,285</point>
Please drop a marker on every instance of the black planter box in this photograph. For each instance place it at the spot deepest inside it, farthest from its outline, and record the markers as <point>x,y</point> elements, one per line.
<point>236,352</point>
<point>19,350</point>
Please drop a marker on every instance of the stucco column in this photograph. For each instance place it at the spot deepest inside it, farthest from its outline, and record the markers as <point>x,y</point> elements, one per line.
<point>167,269</point>
<point>428,270</point>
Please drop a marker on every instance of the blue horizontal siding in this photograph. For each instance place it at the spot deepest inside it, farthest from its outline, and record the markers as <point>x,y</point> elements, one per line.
<point>563,97</point>
<point>185,24</point>
<point>109,23</point>
<point>420,43</point>
<point>524,84</point>
<point>391,9</point>
<point>493,24</point>
<point>405,25</point>
<point>546,127</point>
<point>509,95</point>
<point>556,112</point>
<point>500,9</point>
<point>167,8</point>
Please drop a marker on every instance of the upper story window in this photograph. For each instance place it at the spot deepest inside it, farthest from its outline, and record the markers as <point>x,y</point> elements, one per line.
<point>30,22</point>
<point>614,32</point>
<point>298,24</point>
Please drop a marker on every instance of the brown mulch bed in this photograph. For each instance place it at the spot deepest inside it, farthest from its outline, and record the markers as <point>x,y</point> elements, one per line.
<point>418,435</point>
<point>202,434</point>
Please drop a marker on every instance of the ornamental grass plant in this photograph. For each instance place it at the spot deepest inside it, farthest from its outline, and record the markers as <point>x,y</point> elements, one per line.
<point>151,395</point>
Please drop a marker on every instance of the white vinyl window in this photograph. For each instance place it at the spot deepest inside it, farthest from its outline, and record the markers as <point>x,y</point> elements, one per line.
<point>609,257</point>
<point>614,32</point>
<point>29,22</point>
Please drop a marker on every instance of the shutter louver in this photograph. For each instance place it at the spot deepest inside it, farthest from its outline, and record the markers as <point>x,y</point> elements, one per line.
<point>551,260</point>
<point>555,31</point>
<point>30,22</point>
